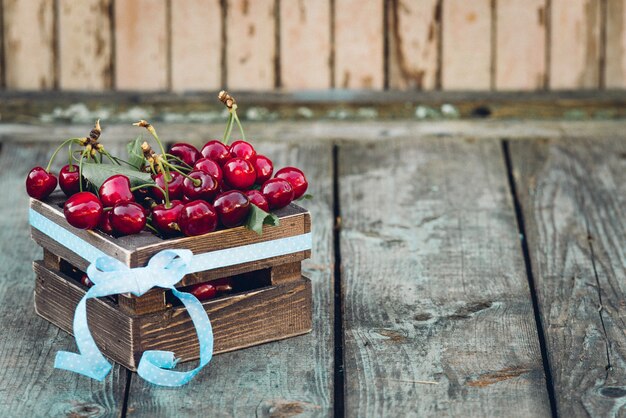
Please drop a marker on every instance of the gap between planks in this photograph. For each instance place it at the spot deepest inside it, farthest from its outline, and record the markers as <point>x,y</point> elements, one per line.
<point>519,215</point>
<point>339,375</point>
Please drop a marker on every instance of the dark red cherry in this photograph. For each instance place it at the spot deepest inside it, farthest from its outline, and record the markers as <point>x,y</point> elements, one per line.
<point>115,189</point>
<point>216,151</point>
<point>257,198</point>
<point>186,152</point>
<point>264,168</point>
<point>296,178</point>
<point>85,281</point>
<point>239,173</point>
<point>40,183</point>
<point>203,291</point>
<point>83,210</point>
<point>232,208</point>
<point>128,218</point>
<point>278,193</point>
<point>243,149</point>
<point>69,180</point>
<point>207,188</point>
<point>175,186</point>
<point>165,219</point>
<point>197,217</point>
<point>210,167</point>
<point>105,223</point>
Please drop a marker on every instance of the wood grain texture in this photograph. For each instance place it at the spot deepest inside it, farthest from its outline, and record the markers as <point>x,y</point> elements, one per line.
<point>438,318</point>
<point>29,44</point>
<point>141,45</point>
<point>250,43</point>
<point>85,45</point>
<point>414,29</point>
<point>575,44</point>
<point>615,69</point>
<point>573,195</point>
<point>359,44</point>
<point>29,385</point>
<point>305,45</point>
<point>196,28</point>
<point>281,377</point>
<point>520,45</point>
<point>466,45</point>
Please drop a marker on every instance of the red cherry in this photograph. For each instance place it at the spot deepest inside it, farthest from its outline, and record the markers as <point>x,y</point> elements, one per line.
<point>239,173</point>
<point>264,168</point>
<point>105,223</point>
<point>278,193</point>
<point>296,178</point>
<point>257,198</point>
<point>216,151</point>
<point>210,167</point>
<point>83,210</point>
<point>203,291</point>
<point>186,152</point>
<point>115,189</point>
<point>206,190</point>
<point>85,281</point>
<point>165,218</point>
<point>69,180</point>
<point>175,186</point>
<point>40,183</point>
<point>197,217</point>
<point>232,208</point>
<point>128,218</point>
<point>243,150</point>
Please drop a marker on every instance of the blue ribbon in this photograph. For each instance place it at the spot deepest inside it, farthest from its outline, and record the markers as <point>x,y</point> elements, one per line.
<point>111,277</point>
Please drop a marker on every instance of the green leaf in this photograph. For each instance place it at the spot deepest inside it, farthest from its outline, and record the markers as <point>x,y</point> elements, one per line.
<point>135,153</point>
<point>258,217</point>
<point>98,173</point>
<point>306,197</point>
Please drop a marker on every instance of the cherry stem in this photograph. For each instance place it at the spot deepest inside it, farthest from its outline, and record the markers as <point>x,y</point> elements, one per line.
<point>229,128</point>
<point>234,113</point>
<point>153,229</point>
<point>196,182</point>
<point>56,151</point>
<point>70,166</point>
<point>167,200</point>
<point>80,169</point>
<point>178,159</point>
<point>168,178</point>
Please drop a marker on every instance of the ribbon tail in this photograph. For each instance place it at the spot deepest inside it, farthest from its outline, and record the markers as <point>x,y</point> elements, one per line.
<point>90,362</point>
<point>154,364</point>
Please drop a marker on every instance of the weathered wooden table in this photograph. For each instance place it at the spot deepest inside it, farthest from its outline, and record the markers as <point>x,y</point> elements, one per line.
<point>459,269</point>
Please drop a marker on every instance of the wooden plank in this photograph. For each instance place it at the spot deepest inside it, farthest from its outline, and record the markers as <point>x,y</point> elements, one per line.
<point>615,70</point>
<point>250,44</point>
<point>29,385</point>
<point>196,27</point>
<point>438,318</point>
<point>520,59</point>
<point>29,44</point>
<point>85,45</point>
<point>359,44</point>
<point>141,45</point>
<point>277,378</point>
<point>573,197</point>
<point>414,29</point>
<point>466,45</point>
<point>305,46</point>
<point>575,44</point>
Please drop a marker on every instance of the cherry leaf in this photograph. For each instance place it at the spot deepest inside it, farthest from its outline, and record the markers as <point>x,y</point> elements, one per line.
<point>257,217</point>
<point>135,153</point>
<point>98,173</point>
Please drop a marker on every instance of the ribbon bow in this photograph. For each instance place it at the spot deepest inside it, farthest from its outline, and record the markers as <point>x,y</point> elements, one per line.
<point>111,277</point>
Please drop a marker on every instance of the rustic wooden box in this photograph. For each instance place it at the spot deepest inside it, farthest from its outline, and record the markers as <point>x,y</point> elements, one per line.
<point>271,298</point>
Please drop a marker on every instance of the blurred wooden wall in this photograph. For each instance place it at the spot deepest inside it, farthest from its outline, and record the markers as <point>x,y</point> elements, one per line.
<point>191,45</point>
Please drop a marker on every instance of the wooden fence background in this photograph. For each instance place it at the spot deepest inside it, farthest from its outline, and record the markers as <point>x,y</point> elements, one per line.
<point>195,45</point>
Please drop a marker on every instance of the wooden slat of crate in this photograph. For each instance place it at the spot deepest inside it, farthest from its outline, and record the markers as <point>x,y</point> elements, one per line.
<point>56,297</point>
<point>239,321</point>
<point>136,250</point>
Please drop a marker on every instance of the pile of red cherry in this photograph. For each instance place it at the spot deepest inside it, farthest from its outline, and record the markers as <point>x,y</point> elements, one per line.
<point>193,193</point>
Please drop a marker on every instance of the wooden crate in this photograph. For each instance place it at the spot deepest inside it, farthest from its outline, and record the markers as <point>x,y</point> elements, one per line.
<point>271,300</point>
